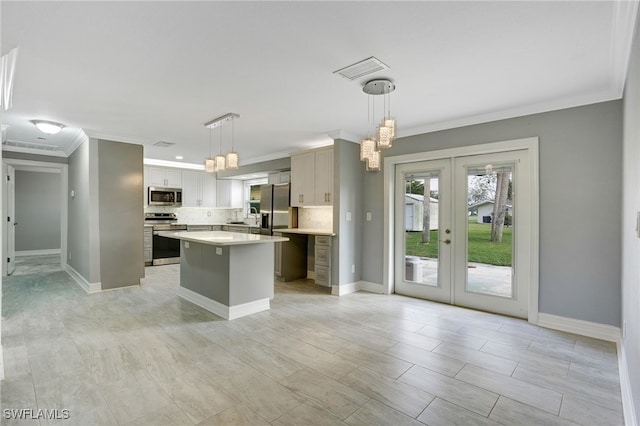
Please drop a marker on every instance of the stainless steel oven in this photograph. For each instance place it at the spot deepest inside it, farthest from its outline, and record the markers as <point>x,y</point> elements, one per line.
<point>165,250</point>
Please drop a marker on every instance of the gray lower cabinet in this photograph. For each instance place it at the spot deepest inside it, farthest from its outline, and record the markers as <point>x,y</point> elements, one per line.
<point>195,228</point>
<point>148,245</point>
<point>291,257</point>
<point>323,260</point>
<point>232,228</point>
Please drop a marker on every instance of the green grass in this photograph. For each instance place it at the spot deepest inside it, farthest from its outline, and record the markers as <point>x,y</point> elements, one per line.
<point>481,250</point>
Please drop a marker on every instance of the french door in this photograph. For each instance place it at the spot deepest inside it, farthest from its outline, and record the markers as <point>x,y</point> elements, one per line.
<point>462,231</point>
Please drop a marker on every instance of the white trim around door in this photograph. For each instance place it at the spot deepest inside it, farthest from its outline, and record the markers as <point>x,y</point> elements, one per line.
<point>390,163</point>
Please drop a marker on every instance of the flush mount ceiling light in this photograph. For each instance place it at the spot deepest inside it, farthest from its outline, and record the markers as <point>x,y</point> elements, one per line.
<point>221,162</point>
<point>385,133</point>
<point>49,127</point>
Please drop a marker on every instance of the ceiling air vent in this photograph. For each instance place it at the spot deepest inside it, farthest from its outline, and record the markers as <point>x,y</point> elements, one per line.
<point>162,144</point>
<point>362,68</point>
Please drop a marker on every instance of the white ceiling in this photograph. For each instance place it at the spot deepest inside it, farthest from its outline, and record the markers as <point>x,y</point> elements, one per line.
<point>156,71</point>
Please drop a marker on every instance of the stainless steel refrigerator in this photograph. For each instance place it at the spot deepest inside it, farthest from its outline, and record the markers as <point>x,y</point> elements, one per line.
<point>274,208</point>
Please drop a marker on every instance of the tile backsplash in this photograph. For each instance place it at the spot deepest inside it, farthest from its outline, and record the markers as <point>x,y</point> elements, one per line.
<point>199,215</point>
<point>315,217</point>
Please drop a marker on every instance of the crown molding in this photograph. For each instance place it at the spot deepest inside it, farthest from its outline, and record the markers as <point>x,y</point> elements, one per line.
<point>624,20</point>
<point>78,139</point>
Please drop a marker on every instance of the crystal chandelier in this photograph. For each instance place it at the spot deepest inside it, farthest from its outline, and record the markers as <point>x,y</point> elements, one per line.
<point>370,148</point>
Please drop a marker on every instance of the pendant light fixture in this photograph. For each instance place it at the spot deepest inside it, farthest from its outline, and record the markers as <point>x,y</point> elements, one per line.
<point>385,132</point>
<point>219,162</point>
<point>232,156</point>
<point>231,160</point>
<point>209,164</point>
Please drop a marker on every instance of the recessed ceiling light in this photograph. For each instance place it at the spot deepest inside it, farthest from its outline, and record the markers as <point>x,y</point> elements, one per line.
<point>49,127</point>
<point>179,157</point>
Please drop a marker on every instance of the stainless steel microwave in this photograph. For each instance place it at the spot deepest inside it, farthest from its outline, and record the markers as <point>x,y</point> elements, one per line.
<point>164,196</point>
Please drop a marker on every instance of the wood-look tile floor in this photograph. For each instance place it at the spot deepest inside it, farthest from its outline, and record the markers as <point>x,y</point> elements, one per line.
<point>143,356</point>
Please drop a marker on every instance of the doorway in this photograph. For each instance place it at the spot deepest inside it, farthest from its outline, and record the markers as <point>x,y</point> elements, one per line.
<point>471,237</point>
<point>43,242</point>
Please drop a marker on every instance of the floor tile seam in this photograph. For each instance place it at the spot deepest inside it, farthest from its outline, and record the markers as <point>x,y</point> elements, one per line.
<point>283,414</point>
<point>476,365</point>
<point>577,394</point>
<point>433,398</point>
<point>500,392</point>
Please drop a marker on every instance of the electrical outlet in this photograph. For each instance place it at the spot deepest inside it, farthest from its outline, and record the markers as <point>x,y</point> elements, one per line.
<point>209,214</point>
<point>186,244</point>
<point>348,216</point>
<point>219,251</point>
<point>368,216</point>
<point>624,330</point>
<point>353,269</point>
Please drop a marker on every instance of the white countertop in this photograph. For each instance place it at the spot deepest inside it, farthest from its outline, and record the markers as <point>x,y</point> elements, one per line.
<point>308,231</point>
<point>222,238</point>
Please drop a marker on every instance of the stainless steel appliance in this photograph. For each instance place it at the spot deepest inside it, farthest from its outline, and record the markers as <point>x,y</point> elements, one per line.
<point>164,196</point>
<point>274,208</point>
<point>165,250</point>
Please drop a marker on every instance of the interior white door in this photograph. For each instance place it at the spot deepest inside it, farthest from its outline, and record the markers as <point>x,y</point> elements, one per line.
<point>423,269</point>
<point>11,220</point>
<point>460,264</point>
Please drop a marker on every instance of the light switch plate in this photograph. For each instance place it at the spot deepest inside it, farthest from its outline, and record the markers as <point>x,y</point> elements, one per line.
<point>186,244</point>
<point>348,216</point>
<point>368,216</point>
<point>219,251</point>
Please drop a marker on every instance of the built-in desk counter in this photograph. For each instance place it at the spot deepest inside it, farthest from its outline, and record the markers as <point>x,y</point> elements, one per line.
<point>230,274</point>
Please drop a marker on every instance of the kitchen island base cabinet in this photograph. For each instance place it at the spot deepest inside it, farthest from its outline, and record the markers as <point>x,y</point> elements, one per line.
<point>219,279</point>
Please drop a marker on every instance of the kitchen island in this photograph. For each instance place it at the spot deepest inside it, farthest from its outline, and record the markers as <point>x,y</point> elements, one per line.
<point>228,273</point>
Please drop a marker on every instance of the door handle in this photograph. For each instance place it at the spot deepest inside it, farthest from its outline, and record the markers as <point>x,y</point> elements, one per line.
<point>447,241</point>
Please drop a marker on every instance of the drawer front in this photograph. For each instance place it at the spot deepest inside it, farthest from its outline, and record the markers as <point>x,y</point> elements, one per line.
<point>148,256</point>
<point>241,229</point>
<point>216,227</point>
<point>323,240</point>
<point>195,228</point>
<point>323,255</point>
<point>323,276</point>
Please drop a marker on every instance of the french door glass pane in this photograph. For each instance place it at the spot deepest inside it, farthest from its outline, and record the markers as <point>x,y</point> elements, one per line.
<point>490,229</point>
<point>421,228</point>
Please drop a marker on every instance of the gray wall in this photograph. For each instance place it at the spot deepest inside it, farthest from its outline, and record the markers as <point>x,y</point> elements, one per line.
<point>121,213</point>
<point>347,184</point>
<point>78,212</point>
<point>580,195</point>
<point>37,210</point>
<point>630,240</point>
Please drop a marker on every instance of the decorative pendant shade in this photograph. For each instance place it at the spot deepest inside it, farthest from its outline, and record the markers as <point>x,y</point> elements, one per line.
<point>367,147</point>
<point>232,160</point>
<point>391,123</point>
<point>374,162</point>
<point>219,163</point>
<point>209,165</point>
<point>384,137</point>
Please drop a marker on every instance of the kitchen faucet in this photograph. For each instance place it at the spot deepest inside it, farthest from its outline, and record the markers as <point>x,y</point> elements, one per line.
<point>253,210</point>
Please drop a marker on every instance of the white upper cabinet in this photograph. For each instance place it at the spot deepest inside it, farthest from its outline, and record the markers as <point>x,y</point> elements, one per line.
<point>198,189</point>
<point>163,177</point>
<point>229,193</point>
<point>312,178</point>
<point>324,177</point>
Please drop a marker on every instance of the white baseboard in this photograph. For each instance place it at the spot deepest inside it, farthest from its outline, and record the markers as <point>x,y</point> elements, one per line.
<point>628,407</point>
<point>371,287</point>
<point>37,252</point>
<point>341,290</point>
<point>82,282</point>
<point>583,328</point>
<point>226,312</point>
<point>1,364</point>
